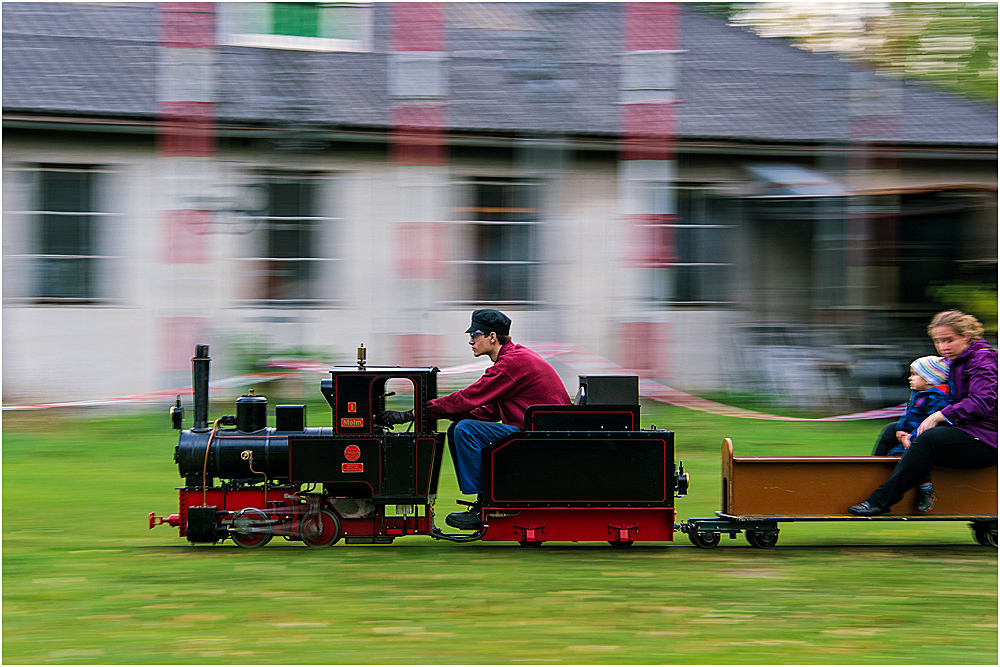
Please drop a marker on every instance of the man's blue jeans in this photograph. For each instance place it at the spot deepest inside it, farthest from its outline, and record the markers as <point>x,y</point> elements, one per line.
<point>466,440</point>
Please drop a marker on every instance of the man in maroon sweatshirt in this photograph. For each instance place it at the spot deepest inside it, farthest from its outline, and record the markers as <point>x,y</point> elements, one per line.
<point>517,379</point>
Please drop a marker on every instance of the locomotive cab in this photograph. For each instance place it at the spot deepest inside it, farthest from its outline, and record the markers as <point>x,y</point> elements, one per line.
<point>362,459</point>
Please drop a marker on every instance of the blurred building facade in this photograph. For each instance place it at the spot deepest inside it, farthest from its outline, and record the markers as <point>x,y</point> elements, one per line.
<point>639,180</point>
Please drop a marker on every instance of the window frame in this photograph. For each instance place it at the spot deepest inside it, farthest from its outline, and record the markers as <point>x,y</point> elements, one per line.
<point>729,249</point>
<point>260,226</point>
<point>252,25</point>
<point>97,291</point>
<point>470,267</point>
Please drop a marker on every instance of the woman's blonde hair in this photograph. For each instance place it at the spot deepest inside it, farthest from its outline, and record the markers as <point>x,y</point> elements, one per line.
<point>964,325</point>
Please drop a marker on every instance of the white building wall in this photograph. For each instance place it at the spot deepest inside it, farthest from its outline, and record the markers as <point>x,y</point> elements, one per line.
<point>73,352</point>
<point>60,353</point>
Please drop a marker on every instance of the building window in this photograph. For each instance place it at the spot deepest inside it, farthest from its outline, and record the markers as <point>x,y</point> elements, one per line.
<point>293,266</point>
<point>66,264</point>
<point>418,74</point>
<point>649,76</point>
<point>306,26</point>
<point>704,246</point>
<point>295,18</point>
<point>498,231</point>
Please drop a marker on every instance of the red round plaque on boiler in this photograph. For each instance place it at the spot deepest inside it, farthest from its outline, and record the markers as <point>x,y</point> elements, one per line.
<point>352,452</point>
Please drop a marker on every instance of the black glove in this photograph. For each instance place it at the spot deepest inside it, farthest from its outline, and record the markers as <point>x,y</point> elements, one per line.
<point>390,417</point>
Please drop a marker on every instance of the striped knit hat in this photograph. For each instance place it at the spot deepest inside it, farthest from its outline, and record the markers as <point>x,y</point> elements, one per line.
<point>932,369</point>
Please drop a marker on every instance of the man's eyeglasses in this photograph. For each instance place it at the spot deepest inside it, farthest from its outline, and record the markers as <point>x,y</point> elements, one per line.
<point>472,336</point>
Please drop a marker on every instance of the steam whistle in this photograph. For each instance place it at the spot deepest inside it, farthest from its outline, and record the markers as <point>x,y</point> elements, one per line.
<point>177,414</point>
<point>361,357</point>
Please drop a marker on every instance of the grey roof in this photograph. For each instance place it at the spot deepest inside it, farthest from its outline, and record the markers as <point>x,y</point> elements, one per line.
<point>512,67</point>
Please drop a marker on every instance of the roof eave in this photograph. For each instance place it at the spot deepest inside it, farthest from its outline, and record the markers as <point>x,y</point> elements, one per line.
<point>144,124</point>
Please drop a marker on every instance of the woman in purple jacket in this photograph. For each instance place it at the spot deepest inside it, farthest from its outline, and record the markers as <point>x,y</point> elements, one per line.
<point>961,435</point>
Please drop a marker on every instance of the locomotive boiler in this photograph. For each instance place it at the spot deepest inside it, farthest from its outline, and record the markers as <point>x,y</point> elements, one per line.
<point>583,472</point>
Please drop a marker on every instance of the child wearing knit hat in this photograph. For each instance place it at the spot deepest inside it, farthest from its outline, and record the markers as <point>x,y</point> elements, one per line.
<point>928,394</point>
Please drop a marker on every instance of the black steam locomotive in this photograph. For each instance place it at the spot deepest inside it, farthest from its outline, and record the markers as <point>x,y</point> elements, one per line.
<point>583,472</point>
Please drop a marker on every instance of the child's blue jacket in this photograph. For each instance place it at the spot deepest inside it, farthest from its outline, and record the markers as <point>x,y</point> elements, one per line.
<point>922,404</point>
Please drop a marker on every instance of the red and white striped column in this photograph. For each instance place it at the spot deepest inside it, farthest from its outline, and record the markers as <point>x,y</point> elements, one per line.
<point>872,239</point>
<point>185,154</point>
<point>418,87</point>
<point>647,171</point>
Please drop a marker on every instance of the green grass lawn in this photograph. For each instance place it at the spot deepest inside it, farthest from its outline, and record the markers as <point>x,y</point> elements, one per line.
<point>85,581</point>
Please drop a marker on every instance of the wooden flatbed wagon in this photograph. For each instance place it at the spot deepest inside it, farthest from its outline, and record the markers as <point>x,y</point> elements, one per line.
<point>759,492</point>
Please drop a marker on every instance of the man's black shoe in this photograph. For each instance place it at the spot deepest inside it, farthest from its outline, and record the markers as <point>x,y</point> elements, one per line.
<point>866,508</point>
<point>467,520</point>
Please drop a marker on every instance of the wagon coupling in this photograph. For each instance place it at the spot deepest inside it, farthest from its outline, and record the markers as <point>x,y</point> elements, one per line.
<point>172,520</point>
<point>681,481</point>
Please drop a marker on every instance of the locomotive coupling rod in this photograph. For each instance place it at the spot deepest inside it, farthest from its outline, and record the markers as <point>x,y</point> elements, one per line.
<point>478,535</point>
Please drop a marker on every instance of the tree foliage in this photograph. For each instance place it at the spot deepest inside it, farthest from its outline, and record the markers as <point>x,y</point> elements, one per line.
<point>949,44</point>
<point>952,44</point>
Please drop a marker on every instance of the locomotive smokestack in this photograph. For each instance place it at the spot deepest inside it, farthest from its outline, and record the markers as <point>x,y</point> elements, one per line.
<point>199,371</point>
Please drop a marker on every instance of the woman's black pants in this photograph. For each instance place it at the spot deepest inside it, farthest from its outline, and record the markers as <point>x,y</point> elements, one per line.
<point>944,446</point>
<point>887,442</point>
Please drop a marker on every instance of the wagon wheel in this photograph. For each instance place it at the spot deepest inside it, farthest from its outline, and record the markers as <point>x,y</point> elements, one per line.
<point>320,529</point>
<point>251,528</point>
<point>986,533</point>
<point>621,544</point>
<point>530,543</point>
<point>704,539</point>
<point>762,539</point>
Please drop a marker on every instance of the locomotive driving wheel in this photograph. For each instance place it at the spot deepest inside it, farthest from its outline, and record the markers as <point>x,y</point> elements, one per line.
<point>251,528</point>
<point>320,528</point>
<point>762,539</point>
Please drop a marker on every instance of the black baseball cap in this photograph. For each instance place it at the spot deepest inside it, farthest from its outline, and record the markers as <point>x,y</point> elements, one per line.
<point>487,320</point>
